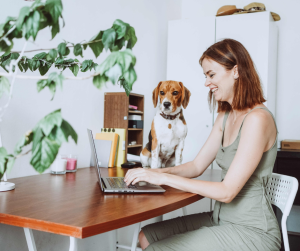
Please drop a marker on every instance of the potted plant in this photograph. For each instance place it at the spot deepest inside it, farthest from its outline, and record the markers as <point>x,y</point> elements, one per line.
<point>52,130</point>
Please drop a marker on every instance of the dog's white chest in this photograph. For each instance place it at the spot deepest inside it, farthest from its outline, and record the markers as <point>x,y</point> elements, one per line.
<point>169,132</point>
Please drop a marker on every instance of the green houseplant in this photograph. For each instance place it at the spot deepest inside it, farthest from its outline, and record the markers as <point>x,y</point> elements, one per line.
<point>52,130</point>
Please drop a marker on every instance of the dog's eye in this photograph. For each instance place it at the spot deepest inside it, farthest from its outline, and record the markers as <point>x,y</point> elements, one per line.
<point>175,93</point>
<point>162,93</point>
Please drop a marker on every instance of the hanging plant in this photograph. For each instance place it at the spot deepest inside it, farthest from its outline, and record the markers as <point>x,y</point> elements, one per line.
<point>51,131</point>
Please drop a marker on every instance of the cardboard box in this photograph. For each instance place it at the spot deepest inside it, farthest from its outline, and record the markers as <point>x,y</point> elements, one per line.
<point>290,144</point>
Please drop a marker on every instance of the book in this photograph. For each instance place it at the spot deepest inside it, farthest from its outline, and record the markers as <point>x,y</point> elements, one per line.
<point>133,107</point>
<point>120,158</point>
<point>113,137</point>
<point>103,152</point>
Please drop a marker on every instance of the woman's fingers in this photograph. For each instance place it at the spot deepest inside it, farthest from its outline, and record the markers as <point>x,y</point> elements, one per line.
<point>129,176</point>
<point>132,176</point>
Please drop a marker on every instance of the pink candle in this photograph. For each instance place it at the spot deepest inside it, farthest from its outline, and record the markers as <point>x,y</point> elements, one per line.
<point>71,164</point>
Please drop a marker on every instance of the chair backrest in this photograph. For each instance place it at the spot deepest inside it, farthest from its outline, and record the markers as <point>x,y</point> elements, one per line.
<point>282,190</point>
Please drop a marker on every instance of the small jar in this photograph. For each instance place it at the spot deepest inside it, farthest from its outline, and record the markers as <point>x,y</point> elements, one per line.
<point>59,166</point>
<point>71,163</point>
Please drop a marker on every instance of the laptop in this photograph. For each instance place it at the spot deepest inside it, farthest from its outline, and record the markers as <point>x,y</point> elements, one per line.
<point>117,184</point>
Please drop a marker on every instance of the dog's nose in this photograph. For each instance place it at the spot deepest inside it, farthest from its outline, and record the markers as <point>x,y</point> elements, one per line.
<point>167,104</point>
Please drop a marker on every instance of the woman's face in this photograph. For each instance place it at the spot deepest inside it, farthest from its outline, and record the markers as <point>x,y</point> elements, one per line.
<point>219,80</point>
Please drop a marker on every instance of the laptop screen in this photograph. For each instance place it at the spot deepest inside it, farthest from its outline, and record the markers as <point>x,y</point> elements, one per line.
<point>94,156</point>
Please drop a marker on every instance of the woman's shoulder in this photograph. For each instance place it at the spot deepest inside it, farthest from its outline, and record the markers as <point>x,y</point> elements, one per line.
<point>259,118</point>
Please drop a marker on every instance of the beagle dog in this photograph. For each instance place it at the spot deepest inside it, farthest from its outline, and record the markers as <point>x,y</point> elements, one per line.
<point>168,129</point>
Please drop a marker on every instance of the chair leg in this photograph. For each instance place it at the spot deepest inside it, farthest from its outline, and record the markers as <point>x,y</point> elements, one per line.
<point>73,244</point>
<point>135,236</point>
<point>29,239</point>
<point>284,233</point>
<point>184,211</point>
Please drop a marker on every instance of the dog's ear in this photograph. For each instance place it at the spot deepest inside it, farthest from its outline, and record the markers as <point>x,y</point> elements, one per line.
<point>185,95</point>
<point>155,94</point>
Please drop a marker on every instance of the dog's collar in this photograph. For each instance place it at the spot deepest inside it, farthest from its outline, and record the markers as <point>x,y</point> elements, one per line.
<point>170,117</point>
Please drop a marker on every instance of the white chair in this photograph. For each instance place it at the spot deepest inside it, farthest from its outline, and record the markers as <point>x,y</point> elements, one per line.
<point>282,190</point>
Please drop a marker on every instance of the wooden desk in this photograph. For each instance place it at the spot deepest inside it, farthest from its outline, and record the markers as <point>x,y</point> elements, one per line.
<point>73,204</point>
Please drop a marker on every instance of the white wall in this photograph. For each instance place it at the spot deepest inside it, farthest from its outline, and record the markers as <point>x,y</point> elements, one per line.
<point>288,82</point>
<point>81,102</point>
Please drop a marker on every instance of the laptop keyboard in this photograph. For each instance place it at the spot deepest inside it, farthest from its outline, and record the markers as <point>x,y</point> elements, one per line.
<point>118,183</point>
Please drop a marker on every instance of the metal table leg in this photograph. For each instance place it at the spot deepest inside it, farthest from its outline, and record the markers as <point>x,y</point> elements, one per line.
<point>30,239</point>
<point>73,244</point>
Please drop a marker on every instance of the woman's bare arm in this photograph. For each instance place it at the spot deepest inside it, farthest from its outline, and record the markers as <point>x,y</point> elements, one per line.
<point>254,138</point>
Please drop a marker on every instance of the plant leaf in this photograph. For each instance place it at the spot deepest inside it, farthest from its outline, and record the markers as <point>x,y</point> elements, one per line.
<point>132,39</point>
<point>114,73</point>
<point>68,130</point>
<point>124,84</point>
<point>36,23</point>
<point>108,38</point>
<point>43,69</point>
<point>120,28</point>
<point>107,63</point>
<point>49,121</point>
<point>41,84</point>
<point>61,49</point>
<point>44,154</point>
<point>24,12</point>
<point>78,50</point>
<point>97,47</point>
<point>41,55</point>
<point>74,68</point>
<point>55,29</point>
<point>3,161</point>
<point>125,59</point>
<point>4,86</point>
<point>99,80</point>
<point>130,76</point>
<point>53,53</point>
<point>54,7</point>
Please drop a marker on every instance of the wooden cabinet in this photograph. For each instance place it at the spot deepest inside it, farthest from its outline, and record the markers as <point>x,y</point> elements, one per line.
<point>116,113</point>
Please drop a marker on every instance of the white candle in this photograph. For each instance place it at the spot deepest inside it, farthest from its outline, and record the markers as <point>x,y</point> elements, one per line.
<point>59,167</point>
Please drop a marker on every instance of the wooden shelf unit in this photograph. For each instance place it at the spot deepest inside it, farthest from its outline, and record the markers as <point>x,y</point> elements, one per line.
<point>116,114</point>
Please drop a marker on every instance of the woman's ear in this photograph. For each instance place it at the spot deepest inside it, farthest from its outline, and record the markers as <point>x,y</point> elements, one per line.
<point>155,94</point>
<point>235,72</point>
<point>185,95</point>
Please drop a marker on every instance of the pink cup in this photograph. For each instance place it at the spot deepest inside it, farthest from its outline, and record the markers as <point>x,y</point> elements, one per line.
<point>71,163</point>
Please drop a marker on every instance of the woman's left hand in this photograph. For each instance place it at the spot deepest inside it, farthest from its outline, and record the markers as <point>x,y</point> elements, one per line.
<point>141,174</point>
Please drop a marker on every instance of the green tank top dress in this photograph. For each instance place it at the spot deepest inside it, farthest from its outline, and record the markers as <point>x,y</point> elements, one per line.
<point>247,223</point>
<point>251,208</point>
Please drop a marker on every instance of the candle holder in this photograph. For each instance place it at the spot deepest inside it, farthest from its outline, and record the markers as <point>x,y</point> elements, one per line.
<point>71,163</point>
<point>59,167</point>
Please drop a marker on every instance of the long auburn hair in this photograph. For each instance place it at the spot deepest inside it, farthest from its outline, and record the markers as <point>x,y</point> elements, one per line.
<point>247,88</point>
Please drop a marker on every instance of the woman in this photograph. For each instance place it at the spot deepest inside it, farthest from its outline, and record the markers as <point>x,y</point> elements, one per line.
<point>244,143</point>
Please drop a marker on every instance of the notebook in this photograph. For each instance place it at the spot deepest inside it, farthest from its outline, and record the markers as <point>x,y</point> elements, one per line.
<point>113,138</point>
<point>120,158</point>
